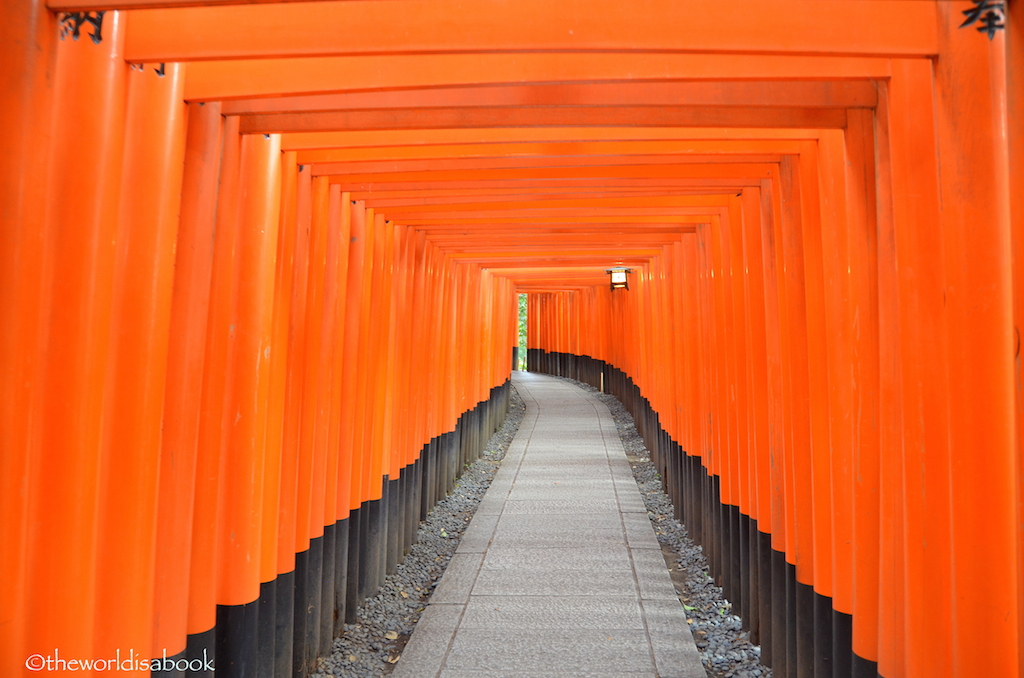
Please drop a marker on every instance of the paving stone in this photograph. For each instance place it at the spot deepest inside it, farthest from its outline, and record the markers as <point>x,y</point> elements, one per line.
<point>639,532</point>
<point>549,650</point>
<point>666,624</point>
<point>558,539</point>
<point>424,655</point>
<point>477,536</point>
<point>458,579</point>
<point>507,582</point>
<point>542,560</point>
<point>547,612</point>
<point>609,505</point>
<point>652,575</point>
<point>544,674</point>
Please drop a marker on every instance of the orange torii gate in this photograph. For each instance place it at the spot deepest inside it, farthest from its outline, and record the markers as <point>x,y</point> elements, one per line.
<point>258,265</point>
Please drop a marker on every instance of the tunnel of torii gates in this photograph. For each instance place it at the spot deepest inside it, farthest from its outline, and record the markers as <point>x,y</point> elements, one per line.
<point>259,267</point>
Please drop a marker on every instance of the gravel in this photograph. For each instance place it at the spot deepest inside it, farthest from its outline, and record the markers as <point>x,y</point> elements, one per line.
<point>371,647</point>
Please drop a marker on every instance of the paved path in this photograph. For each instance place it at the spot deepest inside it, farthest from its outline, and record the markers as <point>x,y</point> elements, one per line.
<point>559,572</point>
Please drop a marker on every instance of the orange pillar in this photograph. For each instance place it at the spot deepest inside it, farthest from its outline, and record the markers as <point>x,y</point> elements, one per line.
<point>974,193</point>
<point>920,277</point>
<point>862,319</point>
<point>137,365</point>
<point>291,538</point>
<point>28,54</point>
<point>211,437</point>
<point>891,572</point>
<point>80,232</point>
<point>240,507</point>
<point>185,360</point>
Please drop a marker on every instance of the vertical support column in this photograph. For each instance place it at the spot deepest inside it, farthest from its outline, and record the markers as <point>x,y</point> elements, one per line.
<point>920,278</point>
<point>974,191</point>
<point>296,215</point>
<point>190,301</point>
<point>309,549</point>
<point>1014,45</point>
<point>862,319</point>
<point>891,571</point>
<point>137,365</point>
<point>798,451</point>
<point>80,232</point>
<point>28,50</point>
<point>240,502</point>
<point>202,616</point>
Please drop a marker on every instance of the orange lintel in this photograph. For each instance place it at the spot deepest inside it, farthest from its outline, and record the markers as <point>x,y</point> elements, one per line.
<point>305,141</point>
<point>594,151</point>
<point>818,94</point>
<point>847,27</point>
<point>216,80</point>
<point>560,116</point>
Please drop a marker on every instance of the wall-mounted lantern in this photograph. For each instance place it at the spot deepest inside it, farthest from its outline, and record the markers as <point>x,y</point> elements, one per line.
<point>619,277</point>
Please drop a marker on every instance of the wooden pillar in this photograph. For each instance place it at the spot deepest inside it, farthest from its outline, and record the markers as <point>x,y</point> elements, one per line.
<point>28,50</point>
<point>137,365</point>
<point>972,127</point>
<point>186,358</point>
<point>80,235</point>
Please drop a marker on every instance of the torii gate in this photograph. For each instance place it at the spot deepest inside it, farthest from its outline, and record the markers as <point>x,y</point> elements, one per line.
<point>256,259</point>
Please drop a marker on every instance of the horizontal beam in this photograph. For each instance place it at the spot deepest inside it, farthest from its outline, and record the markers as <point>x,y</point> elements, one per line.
<point>385,201</point>
<point>379,140</point>
<point>572,168</point>
<point>607,166</point>
<point>506,154</point>
<point>824,94</point>
<point>556,116</point>
<point>237,79</point>
<point>844,27</point>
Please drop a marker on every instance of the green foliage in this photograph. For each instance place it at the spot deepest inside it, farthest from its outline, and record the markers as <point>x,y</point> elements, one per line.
<point>522,332</point>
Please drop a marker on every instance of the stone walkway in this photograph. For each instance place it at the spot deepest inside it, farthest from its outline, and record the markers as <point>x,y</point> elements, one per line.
<point>559,573</point>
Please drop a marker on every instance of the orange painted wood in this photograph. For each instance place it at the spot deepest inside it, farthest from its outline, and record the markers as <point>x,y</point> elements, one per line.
<point>313,428</point>
<point>240,507</point>
<point>839,325</point>
<point>974,191</point>
<point>137,368</point>
<point>79,233</point>
<point>292,539</point>
<point>891,572</point>
<point>328,433</point>
<point>190,298</point>
<point>278,498</point>
<point>203,578</point>
<point>863,252</point>
<point>925,448</point>
<point>827,94</point>
<point>340,479</point>
<point>753,214</point>
<point>799,532</point>
<point>28,54</point>
<point>519,116</point>
<point>351,359</point>
<point>820,491</point>
<point>844,27</point>
<point>258,77</point>
<point>382,142</point>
